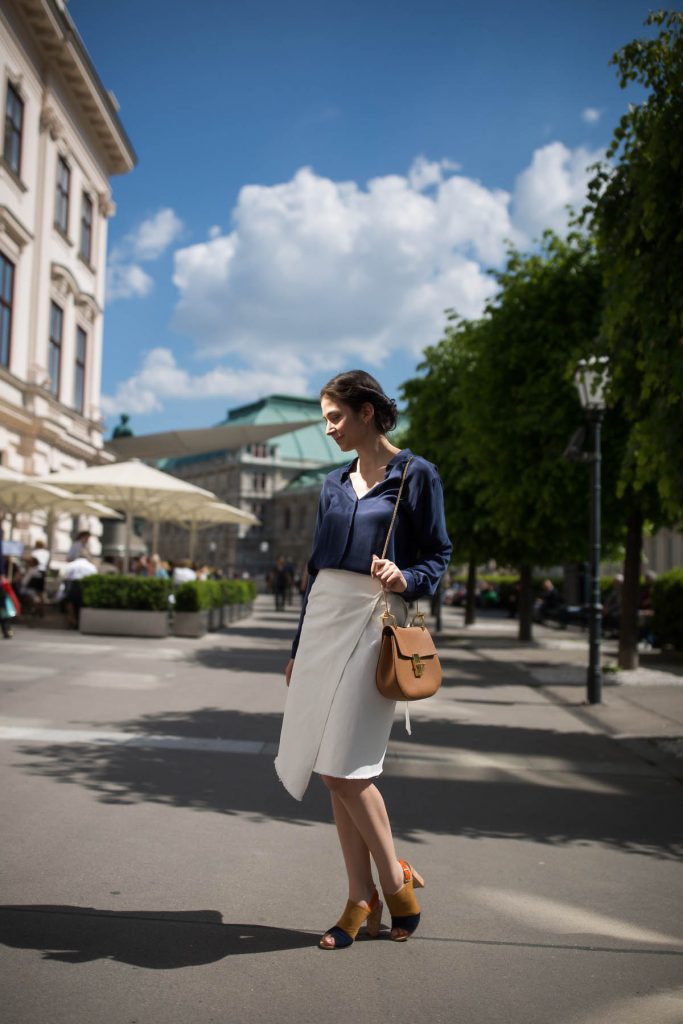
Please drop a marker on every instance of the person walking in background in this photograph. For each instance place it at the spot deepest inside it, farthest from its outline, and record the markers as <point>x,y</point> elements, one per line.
<point>9,607</point>
<point>336,723</point>
<point>279,582</point>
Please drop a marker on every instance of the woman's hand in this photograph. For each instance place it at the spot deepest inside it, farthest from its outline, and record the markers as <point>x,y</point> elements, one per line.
<point>288,670</point>
<point>389,575</point>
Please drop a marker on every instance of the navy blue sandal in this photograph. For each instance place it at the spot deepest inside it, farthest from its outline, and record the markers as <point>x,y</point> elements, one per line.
<point>347,927</point>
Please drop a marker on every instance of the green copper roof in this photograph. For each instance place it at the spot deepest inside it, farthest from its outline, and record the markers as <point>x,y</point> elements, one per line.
<point>309,443</point>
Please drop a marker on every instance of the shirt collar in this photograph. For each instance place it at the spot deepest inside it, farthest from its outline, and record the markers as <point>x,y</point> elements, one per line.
<point>396,460</point>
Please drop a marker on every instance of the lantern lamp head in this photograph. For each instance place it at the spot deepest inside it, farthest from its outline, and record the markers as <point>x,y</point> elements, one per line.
<point>591,378</point>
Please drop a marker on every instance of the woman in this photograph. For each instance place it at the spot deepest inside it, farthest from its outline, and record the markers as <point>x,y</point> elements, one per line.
<point>336,723</point>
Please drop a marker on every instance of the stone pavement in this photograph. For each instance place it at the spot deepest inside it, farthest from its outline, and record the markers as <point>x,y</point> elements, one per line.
<point>154,870</point>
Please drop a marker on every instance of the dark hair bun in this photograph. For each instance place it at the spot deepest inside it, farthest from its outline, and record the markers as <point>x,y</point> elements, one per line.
<point>356,387</point>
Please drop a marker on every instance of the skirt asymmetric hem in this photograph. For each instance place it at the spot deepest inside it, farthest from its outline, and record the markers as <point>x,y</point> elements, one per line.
<point>336,722</point>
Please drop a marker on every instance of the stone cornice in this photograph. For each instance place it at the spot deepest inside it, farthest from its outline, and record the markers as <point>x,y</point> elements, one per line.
<point>59,42</point>
<point>11,226</point>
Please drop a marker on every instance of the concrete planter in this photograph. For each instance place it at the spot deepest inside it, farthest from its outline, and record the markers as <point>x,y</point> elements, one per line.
<point>123,622</point>
<point>191,624</point>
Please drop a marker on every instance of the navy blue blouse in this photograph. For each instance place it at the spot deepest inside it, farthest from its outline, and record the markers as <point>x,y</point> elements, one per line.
<point>350,530</point>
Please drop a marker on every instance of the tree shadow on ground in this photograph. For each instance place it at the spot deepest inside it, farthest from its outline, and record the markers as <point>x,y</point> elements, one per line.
<point>598,793</point>
<point>158,940</point>
<point>241,659</point>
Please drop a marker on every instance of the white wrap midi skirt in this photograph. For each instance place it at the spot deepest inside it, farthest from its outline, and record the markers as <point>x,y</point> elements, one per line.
<point>336,722</point>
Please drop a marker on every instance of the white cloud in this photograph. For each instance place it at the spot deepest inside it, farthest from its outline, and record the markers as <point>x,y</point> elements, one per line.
<point>316,273</point>
<point>591,115</point>
<point>125,277</point>
<point>326,269</point>
<point>155,234</point>
<point>425,173</point>
<point>556,178</point>
<point>124,281</point>
<point>161,378</point>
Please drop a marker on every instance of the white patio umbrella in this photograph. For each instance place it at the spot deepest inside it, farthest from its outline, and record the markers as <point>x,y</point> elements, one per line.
<point>205,514</point>
<point>133,488</point>
<point>20,493</point>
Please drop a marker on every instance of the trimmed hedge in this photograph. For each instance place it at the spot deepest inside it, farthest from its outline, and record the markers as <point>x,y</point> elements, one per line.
<point>146,593</point>
<point>137,593</point>
<point>667,602</point>
<point>238,591</point>
<point>197,595</point>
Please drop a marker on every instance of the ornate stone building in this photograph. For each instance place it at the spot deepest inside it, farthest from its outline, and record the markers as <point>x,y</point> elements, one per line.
<point>251,478</point>
<point>62,142</point>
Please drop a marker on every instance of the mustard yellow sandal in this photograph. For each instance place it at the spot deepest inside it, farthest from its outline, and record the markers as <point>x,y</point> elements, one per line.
<point>403,905</point>
<point>347,927</point>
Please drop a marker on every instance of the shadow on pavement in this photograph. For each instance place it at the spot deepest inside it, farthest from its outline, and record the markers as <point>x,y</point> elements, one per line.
<point>241,659</point>
<point>159,940</point>
<point>597,793</point>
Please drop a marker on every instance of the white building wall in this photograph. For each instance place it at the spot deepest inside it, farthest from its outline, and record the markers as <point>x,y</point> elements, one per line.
<point>39,432</point>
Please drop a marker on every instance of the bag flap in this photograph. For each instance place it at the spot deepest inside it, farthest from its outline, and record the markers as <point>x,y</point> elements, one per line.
<point>412,640</point>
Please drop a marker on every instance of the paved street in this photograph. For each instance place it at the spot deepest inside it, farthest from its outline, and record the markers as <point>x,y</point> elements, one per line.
<point>154,870</point>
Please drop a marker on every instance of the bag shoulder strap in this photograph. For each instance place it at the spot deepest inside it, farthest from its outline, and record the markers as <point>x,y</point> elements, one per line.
<point>395,512</point>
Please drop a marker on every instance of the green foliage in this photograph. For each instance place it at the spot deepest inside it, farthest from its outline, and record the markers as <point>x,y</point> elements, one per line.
<point>194,596</point>
<point>435,410</point>
<point>667,602</point>
<point>237,591</point>
<point>635,211</point>
<point>497,406</point>
<point>138,593</point>
<point>198,595</point>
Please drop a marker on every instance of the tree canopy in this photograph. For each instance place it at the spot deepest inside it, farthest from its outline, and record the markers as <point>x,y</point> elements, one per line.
<point>635,212</point>
<point>496,406</point>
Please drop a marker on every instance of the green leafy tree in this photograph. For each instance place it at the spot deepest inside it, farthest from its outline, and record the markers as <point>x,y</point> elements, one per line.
<point>501,406</point>
<point>434,404</point>
<point>635,212</point>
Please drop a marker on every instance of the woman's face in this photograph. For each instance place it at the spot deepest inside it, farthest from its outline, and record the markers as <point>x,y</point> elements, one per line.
<point>344,425</point>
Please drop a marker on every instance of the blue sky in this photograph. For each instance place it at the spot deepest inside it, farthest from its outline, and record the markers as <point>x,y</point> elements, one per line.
<point>317,182</point>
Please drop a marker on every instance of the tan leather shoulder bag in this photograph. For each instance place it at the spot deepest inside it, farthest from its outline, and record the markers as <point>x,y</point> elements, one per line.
<point>408,666</point>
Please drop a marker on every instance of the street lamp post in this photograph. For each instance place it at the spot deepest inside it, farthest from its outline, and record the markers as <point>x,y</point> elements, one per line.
<point>591,379</point>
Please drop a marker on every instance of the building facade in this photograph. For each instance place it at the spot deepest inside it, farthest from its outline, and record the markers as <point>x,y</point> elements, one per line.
<point>62,142</point>
<point>250,478</point>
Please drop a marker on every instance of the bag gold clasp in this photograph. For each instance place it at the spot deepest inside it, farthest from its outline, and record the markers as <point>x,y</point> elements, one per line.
<point>418,665</point>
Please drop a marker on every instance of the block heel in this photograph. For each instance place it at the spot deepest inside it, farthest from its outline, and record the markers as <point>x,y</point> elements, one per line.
<point>403,905</point>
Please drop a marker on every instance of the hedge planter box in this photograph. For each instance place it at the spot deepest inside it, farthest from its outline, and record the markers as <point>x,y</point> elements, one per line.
<point>191,624</point>
<point>123,622</point>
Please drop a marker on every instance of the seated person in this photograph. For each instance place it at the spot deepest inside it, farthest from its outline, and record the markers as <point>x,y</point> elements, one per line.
<point>32,586</point>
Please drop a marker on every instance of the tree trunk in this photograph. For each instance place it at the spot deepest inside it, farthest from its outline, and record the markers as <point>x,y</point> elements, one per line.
<point>470,598</point>
<point>628,625</point>
<point>526,604</point>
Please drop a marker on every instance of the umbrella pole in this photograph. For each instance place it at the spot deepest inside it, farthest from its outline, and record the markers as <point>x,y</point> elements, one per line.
<point>193,539</point>
<point>50,531</point>
<point>155,537</point>
<point>129,531</point>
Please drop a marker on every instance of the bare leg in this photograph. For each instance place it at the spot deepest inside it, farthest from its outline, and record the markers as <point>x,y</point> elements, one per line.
<point>356,853</point>
<point>364,809</point>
